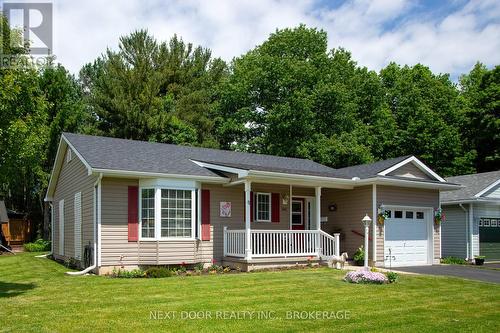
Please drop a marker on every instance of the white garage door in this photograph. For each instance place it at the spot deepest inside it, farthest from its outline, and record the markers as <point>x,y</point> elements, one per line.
<point>406,237</point>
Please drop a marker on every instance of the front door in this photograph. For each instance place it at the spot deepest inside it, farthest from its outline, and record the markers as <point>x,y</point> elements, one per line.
<point>298,214</point>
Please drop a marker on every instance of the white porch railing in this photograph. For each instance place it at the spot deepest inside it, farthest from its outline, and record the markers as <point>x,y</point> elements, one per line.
<point>281,243</point>
<point>234,243</point>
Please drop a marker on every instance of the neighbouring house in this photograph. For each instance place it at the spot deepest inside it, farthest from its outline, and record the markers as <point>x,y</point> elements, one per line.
<point>472,225</point>
<point>141,203</point>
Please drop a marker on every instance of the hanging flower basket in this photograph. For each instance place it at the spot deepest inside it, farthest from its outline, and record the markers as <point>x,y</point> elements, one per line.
<point>438,216</point>
<point>382,216</point>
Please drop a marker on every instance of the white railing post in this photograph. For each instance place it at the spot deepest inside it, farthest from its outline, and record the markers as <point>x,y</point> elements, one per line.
<point>248,236</point>
<point>318,219</point>
<point>225,241</point>
<point>337,243</point>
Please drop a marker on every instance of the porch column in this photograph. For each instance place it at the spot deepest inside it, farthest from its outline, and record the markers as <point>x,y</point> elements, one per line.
<point>318,219</point>
<point>318,208</point>
<point>248,236</point>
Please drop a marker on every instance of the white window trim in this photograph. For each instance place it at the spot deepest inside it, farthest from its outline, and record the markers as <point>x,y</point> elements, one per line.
<point>78,224</point>
<point>157,209</point>
<point>69,155</point>
<point>302,213</point>
<point>256,209</point>
<point>61,227</point>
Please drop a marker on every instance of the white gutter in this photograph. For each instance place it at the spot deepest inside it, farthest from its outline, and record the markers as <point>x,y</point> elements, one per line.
<point>92,267</point>
<point>468,201</point>
<point>406,183</point>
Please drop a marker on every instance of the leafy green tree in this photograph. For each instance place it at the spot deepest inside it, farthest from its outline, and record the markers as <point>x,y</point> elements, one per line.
<point>291,96</point>
<point>480,92</point>
<point>154,91</point>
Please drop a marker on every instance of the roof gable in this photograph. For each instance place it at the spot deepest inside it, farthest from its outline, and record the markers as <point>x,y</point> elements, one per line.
<point>475,186</point>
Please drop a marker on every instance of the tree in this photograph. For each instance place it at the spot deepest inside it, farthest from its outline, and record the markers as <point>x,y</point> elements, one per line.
<point>290,96</point>
<point>480,92</point>
<point>427,113</point>
<point>154,91</point>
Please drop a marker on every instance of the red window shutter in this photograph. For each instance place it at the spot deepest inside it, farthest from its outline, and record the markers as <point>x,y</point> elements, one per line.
<point>205,215</point>
<point>275,207</point>
<point>133,213</point>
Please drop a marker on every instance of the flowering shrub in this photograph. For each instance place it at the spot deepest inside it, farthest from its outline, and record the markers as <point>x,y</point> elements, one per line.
<point>365,276</point>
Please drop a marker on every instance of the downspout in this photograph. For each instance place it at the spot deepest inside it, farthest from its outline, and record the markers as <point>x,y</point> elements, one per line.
<point>466,230</point>
<point>94,265</point>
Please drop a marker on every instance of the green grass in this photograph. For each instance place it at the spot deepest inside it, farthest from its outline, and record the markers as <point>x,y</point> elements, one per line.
<point>35,295</point>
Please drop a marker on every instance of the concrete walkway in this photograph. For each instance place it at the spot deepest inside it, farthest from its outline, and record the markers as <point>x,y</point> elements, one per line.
<point>479,273</point>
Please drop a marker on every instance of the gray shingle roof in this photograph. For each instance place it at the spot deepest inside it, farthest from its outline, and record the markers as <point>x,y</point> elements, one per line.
<point>131,155</point>
<point>473,183</point>
<point>369,170</point>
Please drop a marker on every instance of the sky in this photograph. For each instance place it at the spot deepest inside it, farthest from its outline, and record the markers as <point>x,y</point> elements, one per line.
<point>448,36</point>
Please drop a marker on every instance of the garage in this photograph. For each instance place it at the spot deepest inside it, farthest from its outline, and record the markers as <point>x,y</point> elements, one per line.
<point>489,238</point>
<point>407,234</point>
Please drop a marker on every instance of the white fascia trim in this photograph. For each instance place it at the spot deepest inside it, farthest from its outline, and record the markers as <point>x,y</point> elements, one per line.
<point>485,190</point>
<point>242,173</point>
<point>63,143</point>
<point>127,173</point>
<point>466,201</point>
<point>87,165</point>
<point>324,181</point>
<point>407,183</point>
<point>48,195</point>
<point>418,163</point>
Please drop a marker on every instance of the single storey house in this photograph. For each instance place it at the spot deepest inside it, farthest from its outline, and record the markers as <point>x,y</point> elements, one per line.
<point>472,226</point>
<point>131,203</point>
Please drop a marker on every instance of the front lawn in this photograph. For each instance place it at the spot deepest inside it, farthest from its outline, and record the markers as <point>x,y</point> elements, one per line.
<point>35,295</point>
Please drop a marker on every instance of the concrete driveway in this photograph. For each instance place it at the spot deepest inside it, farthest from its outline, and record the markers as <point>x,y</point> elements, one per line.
<point>485,273</point>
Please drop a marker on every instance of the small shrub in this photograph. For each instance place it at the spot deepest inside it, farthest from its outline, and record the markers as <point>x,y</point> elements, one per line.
<point>158,272</point>
<point>40,245</point>
<point>227,269</point>
<point>359,256</point>
<point>392,277</point>
<point>215,269</point>
<point>365,276</point>
<point>71,263</point>
<point>198,267</point>
<point>122,273</point>
<point>453,261</point>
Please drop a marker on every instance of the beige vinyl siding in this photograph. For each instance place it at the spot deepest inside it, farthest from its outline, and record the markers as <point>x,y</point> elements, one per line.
<point>454,232</point>
<point>236,195</point>
<point>403,196</point>
<point>409,170</point>
<point>352,205</point>
<point>303,191</point>
<point>117,250</point>
<point>73,178</point>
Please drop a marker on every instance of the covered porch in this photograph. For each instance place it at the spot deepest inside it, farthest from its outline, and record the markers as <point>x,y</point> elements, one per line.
<point>297,239</point>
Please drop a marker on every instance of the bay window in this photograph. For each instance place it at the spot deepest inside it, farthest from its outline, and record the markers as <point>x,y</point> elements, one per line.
<point>167,213</point>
